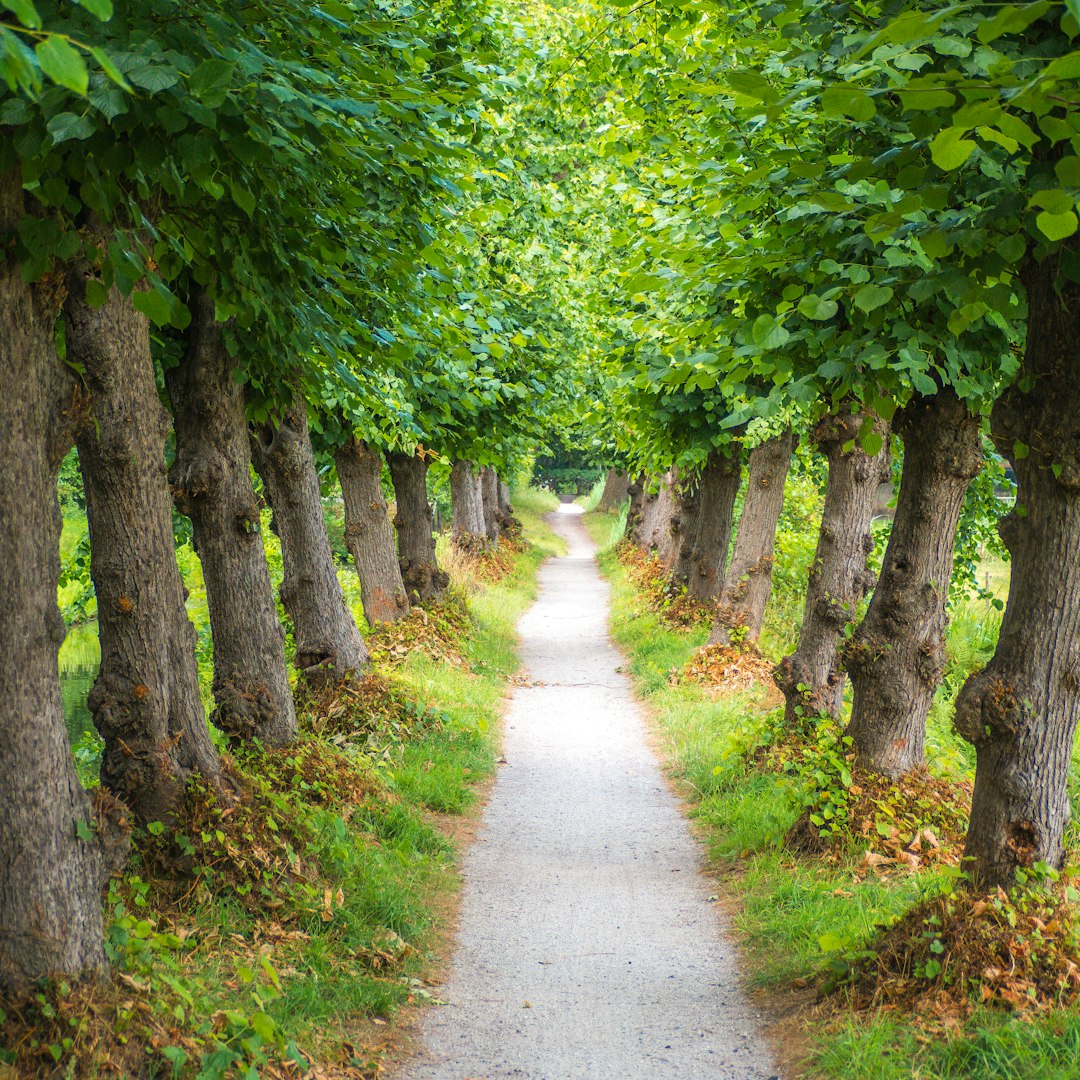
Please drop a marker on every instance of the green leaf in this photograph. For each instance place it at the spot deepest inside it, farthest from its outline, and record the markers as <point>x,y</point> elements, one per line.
<point>24,11</point>
<point>872,442</point>
<point>768,333</point>
<point>871,297</point>
<point>949,149</point>
<point>849,101</point>
<point>110,69</point>
<point>1057,226</point>
<point>210,82</point>
<point>61,63</point>
<point>101,9</point>
<point>154,77</point>
<point>154,304</point>
<point>817,308</point>
<point>831,943</point>
<point>69,125</point>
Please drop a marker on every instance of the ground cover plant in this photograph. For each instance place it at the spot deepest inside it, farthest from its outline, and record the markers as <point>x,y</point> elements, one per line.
<point>847,886</point>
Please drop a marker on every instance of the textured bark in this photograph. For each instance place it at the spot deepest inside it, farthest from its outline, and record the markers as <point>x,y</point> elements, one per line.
<point>50,880</point>
<point>748,582</point>
<point>1021,711</point>
<point>467,502</point>
<point>897,655</point>
<point>839,577</point>
<point>702,528</point>
<point>638,490</point>
<point>146,702</point>
<point>211,480</point>
<point>616,490</point>
<point>505,506</point>
<point>424,581</point>
<point>489,490</point>
<point>328,645</point>
<point>369,534</point>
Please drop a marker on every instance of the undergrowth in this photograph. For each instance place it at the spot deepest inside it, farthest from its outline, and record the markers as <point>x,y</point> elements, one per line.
<point>850,905</point>
<point>275,926</point>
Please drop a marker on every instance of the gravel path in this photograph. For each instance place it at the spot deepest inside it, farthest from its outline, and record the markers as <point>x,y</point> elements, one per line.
<point>588,946</point>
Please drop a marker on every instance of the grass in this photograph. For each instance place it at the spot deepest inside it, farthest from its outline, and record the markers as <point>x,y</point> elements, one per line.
<point>794,913</point>
<point>292,924</point>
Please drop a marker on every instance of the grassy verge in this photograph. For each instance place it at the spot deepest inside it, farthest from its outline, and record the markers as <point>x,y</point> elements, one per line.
<point>280,927</point>
<point>801,919</point>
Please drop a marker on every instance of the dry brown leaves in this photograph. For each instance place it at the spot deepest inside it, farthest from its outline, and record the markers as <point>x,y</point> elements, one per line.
<point>437,631</point>
<point>646,570</point>
<point>910,823</point>
<point>1019,952</point>
<point>731,668</point>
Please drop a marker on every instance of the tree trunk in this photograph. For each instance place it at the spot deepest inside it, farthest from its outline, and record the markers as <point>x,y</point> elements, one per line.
<point>839,577</point>
<point>50,878</point>
<point>1021,711</point>
<point>211,480</point>
<point>328,645</point>
<point>505,506</point>
<point>897,655</point>
<point>638,490</point>
<point>146,701</point>
<point>489,490</point>
<point>424,581</point>
<point>368,533</point>
<point>467,502</point>
<point>748,582</point>
<point>616,489</point>
<point>703,527</point>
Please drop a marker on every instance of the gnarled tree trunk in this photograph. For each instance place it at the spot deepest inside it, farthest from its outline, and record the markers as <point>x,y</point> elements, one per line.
<point>706,505</point>
<point>616,490</point>
<point>368,533</point>
<point>748,582</point>
<point>638,490</point>
<point>146,701</point>
<point>211,480</point>
<point>424,581</point>
<point>328,645</point>
<point>1021,710</point>
<point>811,677</point>
<point>50,879</point>
<point>467,503</point>
<point>489,490</point>
<point>897,655</point>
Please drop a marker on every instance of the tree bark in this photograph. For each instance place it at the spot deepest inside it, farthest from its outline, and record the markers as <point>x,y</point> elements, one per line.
<point>1021,711</point>
<point>702,529</point>
<point>489,490</point>
<point>811,677</point>
<point>50,879</point>
<point>369,534</point>
<point>748,582</point>
<point>424,581</point>
<point>211,479</point>
<point>467,503</point>
<point>616,490</point>
<point>505,506</point>
<point>328,644</point>
<point>146,702</point>
<point>897,655</point>
<point>638,490</point>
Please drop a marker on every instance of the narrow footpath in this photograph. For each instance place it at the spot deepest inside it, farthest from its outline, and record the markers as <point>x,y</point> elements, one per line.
<point>588,946</point>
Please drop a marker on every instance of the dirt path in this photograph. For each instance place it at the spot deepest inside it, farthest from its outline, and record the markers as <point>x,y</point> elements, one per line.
<point>588,946</point>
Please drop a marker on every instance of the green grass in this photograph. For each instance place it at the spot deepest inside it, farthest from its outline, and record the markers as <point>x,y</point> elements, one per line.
<point>363,925</point>
<point>787,905</point>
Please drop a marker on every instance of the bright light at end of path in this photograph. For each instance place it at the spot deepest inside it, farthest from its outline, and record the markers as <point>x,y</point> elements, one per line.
<point>571,508</point>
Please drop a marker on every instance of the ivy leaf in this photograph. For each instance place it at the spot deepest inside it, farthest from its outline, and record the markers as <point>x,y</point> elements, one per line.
<point>871,297</point>
<point>949,149</point>
<point>62,63</point>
